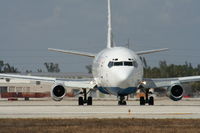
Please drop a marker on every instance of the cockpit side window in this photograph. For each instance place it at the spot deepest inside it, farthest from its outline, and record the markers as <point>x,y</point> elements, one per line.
<point>135,64</point>
<point>110,64</point>
<point>128,63</point>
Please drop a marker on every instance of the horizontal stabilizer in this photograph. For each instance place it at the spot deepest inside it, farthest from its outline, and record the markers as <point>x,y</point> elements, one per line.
<point>151,51</point>
<point>73,52</point>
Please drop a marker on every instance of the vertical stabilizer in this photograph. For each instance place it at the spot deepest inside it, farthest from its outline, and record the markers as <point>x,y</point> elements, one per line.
<point>109,38</point>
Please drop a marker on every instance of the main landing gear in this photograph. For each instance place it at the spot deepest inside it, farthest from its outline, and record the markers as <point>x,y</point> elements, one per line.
<point>85,99</point>
<point>147,99</point>
<point>122,100</point>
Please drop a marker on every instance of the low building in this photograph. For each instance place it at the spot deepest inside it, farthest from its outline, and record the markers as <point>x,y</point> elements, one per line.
<point>18,88</point>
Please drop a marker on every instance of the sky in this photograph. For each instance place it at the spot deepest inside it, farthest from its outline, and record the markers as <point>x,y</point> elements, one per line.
<point>29,27</point>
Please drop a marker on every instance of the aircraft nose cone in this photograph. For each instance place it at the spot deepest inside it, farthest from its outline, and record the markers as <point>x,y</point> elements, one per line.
<point>122,77</point>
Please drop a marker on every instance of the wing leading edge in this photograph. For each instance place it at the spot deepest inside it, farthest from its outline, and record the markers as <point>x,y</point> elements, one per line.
<point>166,82</point>
<point>88,84</point>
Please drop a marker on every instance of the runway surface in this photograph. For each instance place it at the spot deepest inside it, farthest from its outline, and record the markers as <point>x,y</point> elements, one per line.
<point>163,108</point>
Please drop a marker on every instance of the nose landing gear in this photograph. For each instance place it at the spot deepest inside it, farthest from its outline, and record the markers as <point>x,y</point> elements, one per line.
<point>122,100</point>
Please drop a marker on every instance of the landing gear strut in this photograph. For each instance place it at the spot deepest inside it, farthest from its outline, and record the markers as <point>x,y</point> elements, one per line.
<point>148,100</point>
<point>122,100</point>
<point>85,99</point>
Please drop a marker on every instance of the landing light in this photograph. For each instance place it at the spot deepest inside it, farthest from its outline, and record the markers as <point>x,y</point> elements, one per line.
<point>144,82</point>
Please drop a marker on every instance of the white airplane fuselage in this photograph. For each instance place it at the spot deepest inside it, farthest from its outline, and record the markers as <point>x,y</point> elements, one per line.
<point>117,71</point>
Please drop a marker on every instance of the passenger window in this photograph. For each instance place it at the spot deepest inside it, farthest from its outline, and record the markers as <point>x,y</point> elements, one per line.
<point>110,64</point>
<point>128,63</point>
<point>118,63</point>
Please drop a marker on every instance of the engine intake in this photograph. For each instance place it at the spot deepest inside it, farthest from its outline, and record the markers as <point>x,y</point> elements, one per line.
<point>175,92</point>
<point>58,92</point>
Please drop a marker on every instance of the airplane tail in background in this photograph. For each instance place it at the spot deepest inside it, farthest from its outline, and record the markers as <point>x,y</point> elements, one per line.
<point>110,42</point>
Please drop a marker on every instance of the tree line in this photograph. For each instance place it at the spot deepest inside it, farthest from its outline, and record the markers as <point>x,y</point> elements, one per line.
<point>165,70</point>
<point>7,68</point>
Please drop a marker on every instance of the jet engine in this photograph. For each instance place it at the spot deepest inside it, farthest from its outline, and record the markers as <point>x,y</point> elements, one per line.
<point>175,92</point>
<point>58,92</point>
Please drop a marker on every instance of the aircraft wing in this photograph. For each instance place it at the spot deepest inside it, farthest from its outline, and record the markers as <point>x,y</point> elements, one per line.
<point>86,83</point>
<point>151,51</point>
<point>166,82</point>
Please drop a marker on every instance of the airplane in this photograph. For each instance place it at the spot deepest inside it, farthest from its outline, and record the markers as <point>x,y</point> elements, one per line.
<point>116,71</point>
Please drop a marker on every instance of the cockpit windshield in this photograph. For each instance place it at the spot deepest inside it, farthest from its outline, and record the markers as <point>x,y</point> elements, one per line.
<point>122,63</point>
<point>118,63</point>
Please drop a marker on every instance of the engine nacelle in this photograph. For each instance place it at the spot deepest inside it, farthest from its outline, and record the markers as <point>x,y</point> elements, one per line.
<point>175,92</point>
<point>58,92</point>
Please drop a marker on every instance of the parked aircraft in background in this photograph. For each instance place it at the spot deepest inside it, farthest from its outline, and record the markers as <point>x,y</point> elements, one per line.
<point>116,71</point>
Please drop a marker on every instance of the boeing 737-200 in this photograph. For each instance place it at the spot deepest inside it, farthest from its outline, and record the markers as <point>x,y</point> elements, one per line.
<point>116,71</point>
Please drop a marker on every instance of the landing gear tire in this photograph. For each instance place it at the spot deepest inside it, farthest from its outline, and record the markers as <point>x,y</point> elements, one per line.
<point>151,101</point>
<point>147,99</point>
<point>122,101</point>
<point>142,101</point>
<point>89,101</point>
<point>26,98</point>
<point>80,101</point>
